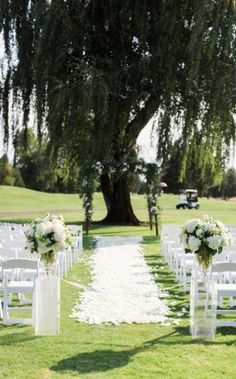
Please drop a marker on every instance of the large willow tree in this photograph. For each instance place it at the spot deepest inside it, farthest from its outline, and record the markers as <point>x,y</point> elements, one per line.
<point>96,72</point>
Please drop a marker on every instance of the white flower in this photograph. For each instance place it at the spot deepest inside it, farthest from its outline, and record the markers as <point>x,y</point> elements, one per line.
<point>209,227</point>
<point>43,228</point>
<point>57,226</point>
<point>49,234</point>
<point>214,242</point>
<point>60,236</point>
<point>221,225</point>
<point>206,218</point>
<point>154,210</point>
<point>199,233</point>
<point>191,225</point>
<point>194,243</point>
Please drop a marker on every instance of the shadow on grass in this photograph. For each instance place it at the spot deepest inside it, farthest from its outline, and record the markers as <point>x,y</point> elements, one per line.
<point>16,338</point>
<point>101,360</point>
<point>21,334</point>
<point>105,360</point>
<point>95,361</point>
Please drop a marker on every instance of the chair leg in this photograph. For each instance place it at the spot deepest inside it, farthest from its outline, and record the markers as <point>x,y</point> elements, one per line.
<point>1,310</point>
<point>5,315</point>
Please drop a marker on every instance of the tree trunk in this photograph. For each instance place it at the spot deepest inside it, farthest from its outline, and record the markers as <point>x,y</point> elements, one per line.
<point>107,190</point>
<point>118,202</point>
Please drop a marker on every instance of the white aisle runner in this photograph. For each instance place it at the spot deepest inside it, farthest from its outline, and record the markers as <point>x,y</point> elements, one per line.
<point>123,289</point>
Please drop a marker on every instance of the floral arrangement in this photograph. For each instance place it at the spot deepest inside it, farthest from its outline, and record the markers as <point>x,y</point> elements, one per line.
<point>154,210</point>
<point>206,238</point>
<point>47,236</point>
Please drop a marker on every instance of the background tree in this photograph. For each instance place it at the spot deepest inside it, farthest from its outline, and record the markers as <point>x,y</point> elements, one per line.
<point>37,167</point>
<point>199,173</point>
<point>98,71</point>
<point>227,188</point>
<point>6,172</point>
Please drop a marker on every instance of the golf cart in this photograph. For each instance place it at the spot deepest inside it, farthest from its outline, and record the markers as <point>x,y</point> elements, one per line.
<point>188,199</point>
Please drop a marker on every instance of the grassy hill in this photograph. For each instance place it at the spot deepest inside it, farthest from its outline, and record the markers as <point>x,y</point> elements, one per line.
<point>22,205</point>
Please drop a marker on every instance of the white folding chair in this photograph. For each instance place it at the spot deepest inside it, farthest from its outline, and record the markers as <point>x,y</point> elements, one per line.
<point>1,300</point>
<point>185,266</point>
<point>17,286</point>
<point>222,285</point>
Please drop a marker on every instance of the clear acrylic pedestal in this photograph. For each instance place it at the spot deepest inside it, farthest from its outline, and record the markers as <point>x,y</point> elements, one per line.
<point>202,318</point>
<point>47,306</point>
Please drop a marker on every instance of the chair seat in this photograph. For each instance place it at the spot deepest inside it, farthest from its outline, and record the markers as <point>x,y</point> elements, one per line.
<point>226,289</point>
<point>19,286</point>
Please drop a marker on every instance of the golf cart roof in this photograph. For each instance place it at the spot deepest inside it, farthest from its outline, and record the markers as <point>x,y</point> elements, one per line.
<point>190,190</point>
<point>183,191</point>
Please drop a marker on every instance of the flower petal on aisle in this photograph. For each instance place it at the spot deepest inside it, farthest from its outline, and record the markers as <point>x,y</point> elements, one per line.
<point>124,290</point>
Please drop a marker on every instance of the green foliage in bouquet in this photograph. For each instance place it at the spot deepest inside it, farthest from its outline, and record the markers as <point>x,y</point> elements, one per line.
<point>47,236</point>
<point>205,238</point>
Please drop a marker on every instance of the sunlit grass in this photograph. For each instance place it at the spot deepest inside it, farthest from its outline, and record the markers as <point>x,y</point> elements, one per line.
<point>23,205</point>
<point>117,352</point>
<point>107,351</point>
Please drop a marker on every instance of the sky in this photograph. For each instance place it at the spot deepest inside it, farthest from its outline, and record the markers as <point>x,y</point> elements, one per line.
<point>147,141</point>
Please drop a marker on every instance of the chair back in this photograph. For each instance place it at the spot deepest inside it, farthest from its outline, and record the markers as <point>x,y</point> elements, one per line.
<point>8,253</point>
<point>224,267</point>
<point>20,263</point>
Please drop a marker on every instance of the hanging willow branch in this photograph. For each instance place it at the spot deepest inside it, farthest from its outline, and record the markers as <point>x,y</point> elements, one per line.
<point>97,71</point>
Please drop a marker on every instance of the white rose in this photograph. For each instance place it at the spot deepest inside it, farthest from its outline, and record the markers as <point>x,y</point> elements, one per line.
<point>57,226</point>
<point>206,218</point>
<point>209,227</point>
<point>194,243</point>
<point>60,237</point>
<point>43,228</point>
<point>191,225</point>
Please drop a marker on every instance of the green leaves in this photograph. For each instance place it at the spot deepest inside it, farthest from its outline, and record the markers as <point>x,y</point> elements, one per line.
<point>97,72</point>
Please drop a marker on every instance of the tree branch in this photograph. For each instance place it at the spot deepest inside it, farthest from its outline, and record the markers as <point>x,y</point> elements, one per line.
<point>137,124</point>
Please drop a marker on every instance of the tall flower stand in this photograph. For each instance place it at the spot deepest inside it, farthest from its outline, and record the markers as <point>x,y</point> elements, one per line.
<point>202,318</point>
<point>47,306</point>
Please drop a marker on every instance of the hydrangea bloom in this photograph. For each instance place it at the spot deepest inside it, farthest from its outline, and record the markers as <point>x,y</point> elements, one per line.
<point>194,243</point>
<point>205,237</point>
<point>191,225</point>
<point>47,236</point>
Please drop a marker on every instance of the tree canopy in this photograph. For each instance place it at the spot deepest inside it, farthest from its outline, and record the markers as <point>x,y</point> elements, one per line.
<point>97,71</point>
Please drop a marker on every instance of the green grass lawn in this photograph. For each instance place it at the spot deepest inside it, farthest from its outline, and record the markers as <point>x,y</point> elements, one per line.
<point>22,205</point>
<point>117,352</point>
<point>107,351</point>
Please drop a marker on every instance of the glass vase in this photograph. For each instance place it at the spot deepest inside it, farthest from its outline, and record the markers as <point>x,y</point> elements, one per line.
<point>202,309</point>
<point>48,261</point>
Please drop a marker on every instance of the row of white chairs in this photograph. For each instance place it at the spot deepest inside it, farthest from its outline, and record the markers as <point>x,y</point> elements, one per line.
<point>16,272</point>
<point>222,273</point>
<point>180,263</point>
<point>12,245</point>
